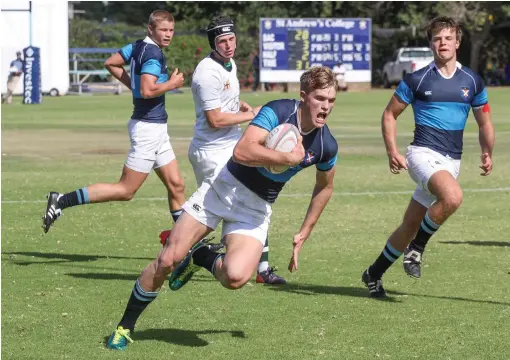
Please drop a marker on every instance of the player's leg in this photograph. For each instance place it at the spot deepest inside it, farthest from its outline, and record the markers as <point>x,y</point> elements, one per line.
<point>167,169</point>
<point>244,216</point>
<point>170,176</point>
<point>244,233</point>
<point>265,273</point>
<point>438,190</point>
<point>395,246</point>
<point>204,206</point>
<point>448,193</point>
<point>124,190</point>
<point>234,268</point>
<point>193,156</point>
<point>186,232</point>
<point>202,170</point>
<point>206,165</point>
<point>139,163</point>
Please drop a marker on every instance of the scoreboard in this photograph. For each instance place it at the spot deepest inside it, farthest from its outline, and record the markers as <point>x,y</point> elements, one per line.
<point>288,47</point>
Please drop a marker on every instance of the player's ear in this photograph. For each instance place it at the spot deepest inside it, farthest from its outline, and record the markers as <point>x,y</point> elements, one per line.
<point>302,96</point>
<point>150,30</point>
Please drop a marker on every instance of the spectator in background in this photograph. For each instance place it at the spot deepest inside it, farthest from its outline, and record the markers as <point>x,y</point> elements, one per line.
<point>491,73</point>
<point>15,71</point>
<point>256,70</point>
<point>507,73</point>
<point>340,70</point>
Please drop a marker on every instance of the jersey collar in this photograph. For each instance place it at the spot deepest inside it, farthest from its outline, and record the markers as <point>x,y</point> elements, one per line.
<point>226,66</point>
<point>148,40</point>
<point>298,121</point>
<point>433,65</point>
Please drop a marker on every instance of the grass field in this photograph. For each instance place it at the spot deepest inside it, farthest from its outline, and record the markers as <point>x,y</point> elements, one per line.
<point>64,292</point>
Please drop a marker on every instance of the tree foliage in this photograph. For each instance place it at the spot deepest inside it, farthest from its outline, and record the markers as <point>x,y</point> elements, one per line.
<point>112,24</point>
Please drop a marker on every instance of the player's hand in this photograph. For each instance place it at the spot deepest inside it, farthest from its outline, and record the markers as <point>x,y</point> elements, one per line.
<point>297,154</point>
<point>397,162</point>
<point>177,78</point>
<point>486,164</point>
<point>245,107</point>
<point>297,244</point>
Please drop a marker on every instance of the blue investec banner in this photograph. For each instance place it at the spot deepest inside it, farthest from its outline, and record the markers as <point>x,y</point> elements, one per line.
<point>298,44</point>
<point>32,75</point>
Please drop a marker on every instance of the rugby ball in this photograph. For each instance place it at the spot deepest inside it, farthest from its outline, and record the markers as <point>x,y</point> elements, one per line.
<point>282,138</point>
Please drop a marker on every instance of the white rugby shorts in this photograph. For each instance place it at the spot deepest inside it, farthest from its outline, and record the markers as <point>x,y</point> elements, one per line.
<point>422,163</point>
<point>207,163</point>
<point>150,146</point>
<point>225,198</point>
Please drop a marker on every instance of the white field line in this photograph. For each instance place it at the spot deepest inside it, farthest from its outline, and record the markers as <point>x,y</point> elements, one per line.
<point>363,193</point>
<point>360,135</point>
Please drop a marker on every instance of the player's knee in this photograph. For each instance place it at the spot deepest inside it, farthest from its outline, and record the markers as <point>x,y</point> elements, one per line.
<point>166,264</point>
<point>126,196</point>
<point>453,200</point>
<point>234,285</point>
<point>235,278</point>
<point>168,260</point>
<point>178,186</point>
<point>175,185</point>
<point>125,193</point>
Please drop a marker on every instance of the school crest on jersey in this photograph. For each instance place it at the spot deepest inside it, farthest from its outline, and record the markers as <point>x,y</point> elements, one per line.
<point>309,157</point>
<point>465,92</point>
<point>227,85</point>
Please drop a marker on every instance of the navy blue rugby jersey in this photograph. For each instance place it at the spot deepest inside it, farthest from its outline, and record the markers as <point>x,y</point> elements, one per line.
<point>321,150</point>
<point>145,57</point>
<point>441,106</point>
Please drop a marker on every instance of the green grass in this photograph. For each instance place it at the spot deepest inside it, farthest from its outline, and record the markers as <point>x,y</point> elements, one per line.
<point>64,292</point>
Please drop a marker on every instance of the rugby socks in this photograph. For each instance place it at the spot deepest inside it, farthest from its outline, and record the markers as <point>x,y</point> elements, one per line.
<point>427,229</point>
<point>207,258</point>
<point>78,197</point>
<point>264,258</point>
<point>388,256</point>
<point>137,303</point>
<point>175,214</point>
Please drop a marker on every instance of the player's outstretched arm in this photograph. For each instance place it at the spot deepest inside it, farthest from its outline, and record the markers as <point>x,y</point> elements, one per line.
<point>389,131</point>
<point>149,88</point>
<point>115,66</point>
<point>321,194</point>
<point>250,150</point>
<point>486,137</point>
<point>217,119</point>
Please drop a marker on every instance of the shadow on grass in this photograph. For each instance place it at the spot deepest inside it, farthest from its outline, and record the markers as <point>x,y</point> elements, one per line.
<point>181,337</point>
<point>119,276</point>
<point>296,288</point>
<point>63,257</point>
<point>478,243</point>
<point>309,289</point>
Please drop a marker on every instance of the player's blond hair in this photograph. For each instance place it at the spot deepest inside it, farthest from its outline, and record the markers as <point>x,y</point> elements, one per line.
<point>443,22</point>
<point>318,77</point>
<point>158,16</point>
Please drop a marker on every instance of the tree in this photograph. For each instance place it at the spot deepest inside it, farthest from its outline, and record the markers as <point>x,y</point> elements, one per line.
<point>477,19</point>
<point>482,22</point>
